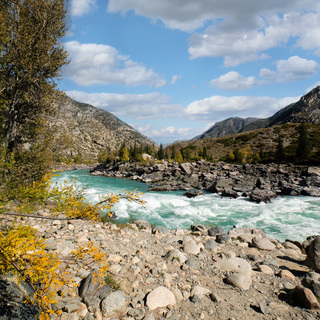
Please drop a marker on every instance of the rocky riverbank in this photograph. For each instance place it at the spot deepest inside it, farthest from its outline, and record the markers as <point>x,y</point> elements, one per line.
<point>179,274</point>
<point>259,182</point>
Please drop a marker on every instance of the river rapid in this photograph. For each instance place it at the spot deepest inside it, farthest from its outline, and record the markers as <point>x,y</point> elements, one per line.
<point>284,218</point>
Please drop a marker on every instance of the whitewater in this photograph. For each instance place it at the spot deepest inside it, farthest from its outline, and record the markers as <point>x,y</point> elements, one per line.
<point>292,218</point>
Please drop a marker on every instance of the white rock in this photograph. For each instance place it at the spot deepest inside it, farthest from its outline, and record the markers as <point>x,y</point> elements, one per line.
<point>263,243</point>
<point>191,247</point>
<point>200,291</point>
<point>160,297</point>
<point>115,301</point>
<point>176,254</point>
<point>114,258</point>
<point>240,280</point>
<point>234,265</point>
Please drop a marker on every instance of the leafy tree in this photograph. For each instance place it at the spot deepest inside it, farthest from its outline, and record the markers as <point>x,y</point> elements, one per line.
<point>31,58</point>
<point>124,154</point>
<point>303,151</point>
<point>179,157</point>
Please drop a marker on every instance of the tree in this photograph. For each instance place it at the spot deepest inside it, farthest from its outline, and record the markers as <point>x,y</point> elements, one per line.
<point>303,151</point>
<point>124,154</point>
<point>179,157</point>
<point>160,152</point>
<point>280,153</point>
<point>31,58</point>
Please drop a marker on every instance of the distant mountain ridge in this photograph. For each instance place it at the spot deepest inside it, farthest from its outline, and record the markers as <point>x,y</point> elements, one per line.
<point>86,130</point>
<point>307,109</point>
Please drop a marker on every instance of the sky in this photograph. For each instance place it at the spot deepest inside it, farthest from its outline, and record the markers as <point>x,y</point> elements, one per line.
<point>172,68</point>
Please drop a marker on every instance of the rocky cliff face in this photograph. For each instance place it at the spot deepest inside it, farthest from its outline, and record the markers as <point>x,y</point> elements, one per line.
<point>229,126</point>
<point>307,109</point>
<point>83,129</point>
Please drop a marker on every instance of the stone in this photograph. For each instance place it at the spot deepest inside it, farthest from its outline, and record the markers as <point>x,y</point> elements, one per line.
<point>176,254</point>
<point>193,194</point>
<point>160,297</point>
<point>215,230</point>
<point>143,224</point>
<point>312,281</point>
<point>263,243</point>
<point>236,232</point>
<point>238,265</point>
<point>239,280</point>
<point>262,195</point>
<point>190,247</point>
<point>211,245</point>
<point>313,254</point>
<point>71,316</point>
<point>228,192</point>
<point>265,269</point>
<point>286,274</point>
<point>307,297</point>
<point>114,302</point>
<point>192,263</point>
<point>161,229</point>
<point>310,192</point>
<point>200,291</point>
<point>222,238</point>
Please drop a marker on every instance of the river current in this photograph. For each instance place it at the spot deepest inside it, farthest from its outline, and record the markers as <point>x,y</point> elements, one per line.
<point>284,218</point>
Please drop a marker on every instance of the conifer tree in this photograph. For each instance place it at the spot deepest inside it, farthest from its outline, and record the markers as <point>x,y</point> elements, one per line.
<point>280,152</point>
<point>303,151</point>
<point>160,152</point>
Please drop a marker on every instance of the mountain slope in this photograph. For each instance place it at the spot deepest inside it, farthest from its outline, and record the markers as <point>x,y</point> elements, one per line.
<point>229,126</point>
<point>82,129</point>
<point>307,109</point>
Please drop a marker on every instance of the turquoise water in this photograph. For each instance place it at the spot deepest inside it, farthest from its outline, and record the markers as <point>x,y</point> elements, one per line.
<point>284,218</point>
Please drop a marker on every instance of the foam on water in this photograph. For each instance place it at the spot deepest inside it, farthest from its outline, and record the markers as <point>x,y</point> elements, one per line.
<point>285,217</point>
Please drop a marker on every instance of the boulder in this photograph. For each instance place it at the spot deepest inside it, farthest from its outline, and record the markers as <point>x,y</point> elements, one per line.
<point>143,224</point>
<point>262,195</point>
<point>160,297</point>
<point>228,192</point>
<point>238,265</point>
<point>211,245</point>
<point>114,302</point>
<point>215,231</point>
<point>313,254</point>
<point>306,296</point>
<point>161,229</point>
<point>193,194</point>
<point>190,247</point>
<point>236,232</point>
<point>312,281</point>
<point>239,280</point>
<point>175,254</point>
<point>263,243</point>
<point>310,192</point>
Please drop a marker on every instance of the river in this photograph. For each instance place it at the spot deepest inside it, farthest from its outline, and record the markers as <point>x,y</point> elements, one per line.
<point>284,218</point>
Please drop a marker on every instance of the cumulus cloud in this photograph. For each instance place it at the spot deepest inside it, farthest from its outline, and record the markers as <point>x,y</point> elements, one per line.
<point>233,81</point>
<point>239,31</point>
<point>216,108</point>
<point>138,106</point>
<point>80,7</point>
<point>168,133</point>
<point>93,63</point>
<point>295,68</point>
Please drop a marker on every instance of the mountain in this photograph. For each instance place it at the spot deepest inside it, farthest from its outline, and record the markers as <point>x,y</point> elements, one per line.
<point>223,128</point>
<point>82,129</point>
<point>307,109</point>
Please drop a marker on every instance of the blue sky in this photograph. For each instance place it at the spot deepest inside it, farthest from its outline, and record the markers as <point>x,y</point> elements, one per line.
<point>172,68</point>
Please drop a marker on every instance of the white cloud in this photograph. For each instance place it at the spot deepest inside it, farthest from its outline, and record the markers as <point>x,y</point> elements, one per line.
<point>217,108</point>
<point>174,79</point>
<point>93,63</point>
<point>168,133</point>
<point>80,7</point>
<point>233,81</point>
<point>138,106</point>
<point>239,31</point>
<point>293,69</point>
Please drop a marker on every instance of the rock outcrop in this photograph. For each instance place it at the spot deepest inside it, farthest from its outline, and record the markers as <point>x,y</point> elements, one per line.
<point>259,182</point>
